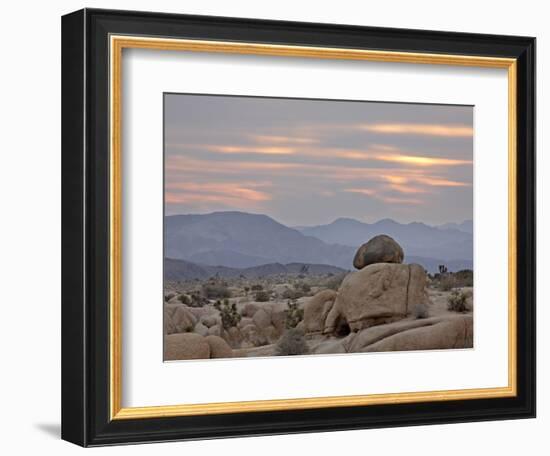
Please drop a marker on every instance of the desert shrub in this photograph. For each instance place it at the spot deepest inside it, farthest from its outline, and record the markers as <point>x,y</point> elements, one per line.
<point>184,299</point>
<point>303,287</point>
<point>216,291</point>
<point>198,300</point>
<point>334,281</point>
<point>447,282</point>
<point>257,287</point>
<point>292,294</point>
<point>261,296</point>
<point>228,313</point>
<point>292,342</point>
<point>464,278</point>
<point>456,302</point>
<point>420,311</point>
<point>169,296</point>
<point>293,314</point>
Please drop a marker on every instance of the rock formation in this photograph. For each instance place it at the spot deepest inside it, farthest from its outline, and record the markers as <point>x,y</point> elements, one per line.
<point>379,293</point>
<point>375,309</point>
<point>379,249</point>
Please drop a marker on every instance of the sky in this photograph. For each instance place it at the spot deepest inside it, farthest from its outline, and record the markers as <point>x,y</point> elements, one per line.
<point>309,162</point>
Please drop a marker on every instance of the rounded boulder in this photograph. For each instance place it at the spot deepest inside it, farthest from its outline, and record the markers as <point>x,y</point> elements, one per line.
<point>379,249</point>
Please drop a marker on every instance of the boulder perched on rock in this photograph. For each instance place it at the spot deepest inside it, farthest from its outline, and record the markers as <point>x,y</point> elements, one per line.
<point>379,249</point>
<point>316,310</point>
<point>185,346</point>
<point>380,293</point>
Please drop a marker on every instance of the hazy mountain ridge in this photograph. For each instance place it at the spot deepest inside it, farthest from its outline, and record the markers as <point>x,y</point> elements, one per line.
<point>255,239</point>
<point>466,226</point>
<point>186,270</point>
<point>239,240</point>
<point>417,239</point>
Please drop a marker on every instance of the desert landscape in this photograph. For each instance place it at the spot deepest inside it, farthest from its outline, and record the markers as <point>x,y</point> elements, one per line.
<point>296,226</point>
<point>290,309</point>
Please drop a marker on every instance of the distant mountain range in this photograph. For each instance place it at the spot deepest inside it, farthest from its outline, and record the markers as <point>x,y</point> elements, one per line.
<point>467,226</point>
<point>239,240</point>
<point>185,270</point>
<point>417,239</point>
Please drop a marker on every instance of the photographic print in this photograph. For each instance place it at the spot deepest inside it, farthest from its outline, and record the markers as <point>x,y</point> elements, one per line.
<point>307,226</point>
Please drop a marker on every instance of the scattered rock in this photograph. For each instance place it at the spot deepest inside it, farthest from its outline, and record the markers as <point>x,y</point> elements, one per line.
<point>210,320</point>
<point>249,310</point>
<point>185,346</point>
<point>262,319</point>
<point>219,347</point>
<point>178,319</point>
<point>201,329</point>
<point>215,330</point>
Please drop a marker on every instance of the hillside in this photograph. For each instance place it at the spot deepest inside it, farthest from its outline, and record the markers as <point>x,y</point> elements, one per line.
<point>175,270</point>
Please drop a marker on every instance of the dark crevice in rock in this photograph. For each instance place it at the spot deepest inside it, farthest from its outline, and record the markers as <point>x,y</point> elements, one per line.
<point>407,293</point>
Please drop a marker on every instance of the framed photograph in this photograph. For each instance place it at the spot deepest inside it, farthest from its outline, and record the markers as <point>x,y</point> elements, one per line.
<point>278,227</point>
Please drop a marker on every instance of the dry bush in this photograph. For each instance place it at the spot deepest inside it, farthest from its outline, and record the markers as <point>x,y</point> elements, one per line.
<point>334,281</point>
<point>184,299</point>
<point>215,291</point>
<point>447,282</point>
<point>292,294</point>
<point>261,296</point>
<point>292,342</point>
<point>464,278</point>
<point>456,302</point>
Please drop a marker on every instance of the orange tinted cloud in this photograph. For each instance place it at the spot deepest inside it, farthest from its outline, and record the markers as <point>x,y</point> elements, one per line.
<point>439,182</point>
<point>422,161</point>
<point>283,139</point>
<point>406,188</point>
<point>362,191</point>
<point>456,131</point>
<point>272,150</point>
<point>226,193</point>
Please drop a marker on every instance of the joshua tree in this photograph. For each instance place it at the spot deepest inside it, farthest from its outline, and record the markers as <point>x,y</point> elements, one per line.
<point>228,312</point>
<point>293,313</point>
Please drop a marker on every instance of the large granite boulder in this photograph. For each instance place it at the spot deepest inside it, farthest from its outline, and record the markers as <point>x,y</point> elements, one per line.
<point>379,249</point>
<point>377,294</point>
<point>316,310</point>
<point>185,346</point>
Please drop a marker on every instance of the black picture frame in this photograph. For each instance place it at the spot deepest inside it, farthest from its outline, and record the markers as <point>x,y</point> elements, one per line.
<point>85,228</point>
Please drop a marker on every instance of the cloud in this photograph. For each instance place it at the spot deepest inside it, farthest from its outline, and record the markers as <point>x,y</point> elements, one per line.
<point>421,160</point>
<point>380,195</point>
<point>439,182</point>
<point>236,149</point>
<point>225,193</point>
<point>274,139</point>
<point>453,131</point>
